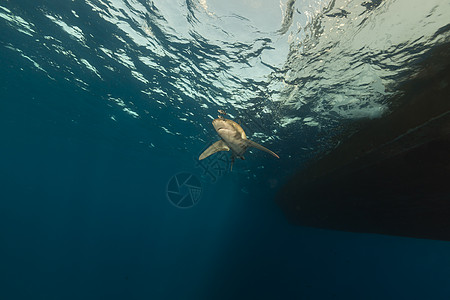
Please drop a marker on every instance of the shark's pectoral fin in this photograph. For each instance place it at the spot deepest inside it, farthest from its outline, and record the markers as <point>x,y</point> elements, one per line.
<point>258,146</point>
<point>216,147</point>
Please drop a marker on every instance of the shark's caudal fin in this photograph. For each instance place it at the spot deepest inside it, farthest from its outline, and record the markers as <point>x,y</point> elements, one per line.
<point>216,147</point>
<point>258,146</point>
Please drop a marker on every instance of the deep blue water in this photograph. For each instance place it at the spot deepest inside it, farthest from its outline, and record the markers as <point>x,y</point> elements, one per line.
<point>84,211</point>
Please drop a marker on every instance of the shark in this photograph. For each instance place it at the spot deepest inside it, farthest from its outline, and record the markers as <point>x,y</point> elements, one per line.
<point>232,138</point>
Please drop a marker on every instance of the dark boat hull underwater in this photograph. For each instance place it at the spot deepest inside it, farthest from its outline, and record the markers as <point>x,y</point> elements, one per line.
<point>393,176</point>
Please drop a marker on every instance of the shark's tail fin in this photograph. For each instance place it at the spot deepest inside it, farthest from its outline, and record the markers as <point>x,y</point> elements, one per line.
<point>216,147</point>
<point>258,146</point>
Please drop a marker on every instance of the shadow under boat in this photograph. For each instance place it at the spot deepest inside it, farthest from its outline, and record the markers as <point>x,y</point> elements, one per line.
<point>391,177</point>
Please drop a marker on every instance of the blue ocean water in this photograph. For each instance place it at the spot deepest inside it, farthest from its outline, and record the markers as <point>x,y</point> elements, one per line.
<point>103,102</point>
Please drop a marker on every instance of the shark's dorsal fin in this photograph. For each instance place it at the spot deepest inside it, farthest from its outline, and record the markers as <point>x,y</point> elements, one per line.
<point>216,147</point>
<point>258,146</point>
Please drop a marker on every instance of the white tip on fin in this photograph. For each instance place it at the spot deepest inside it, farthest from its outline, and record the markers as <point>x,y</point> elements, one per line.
<point>258,146</point>
<point>216,147</point>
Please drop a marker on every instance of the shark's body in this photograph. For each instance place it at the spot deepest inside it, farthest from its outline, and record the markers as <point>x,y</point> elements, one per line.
<point>232,138</point>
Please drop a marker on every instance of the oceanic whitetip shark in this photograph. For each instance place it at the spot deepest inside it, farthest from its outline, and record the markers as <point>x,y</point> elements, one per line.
<point>232,138</point>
